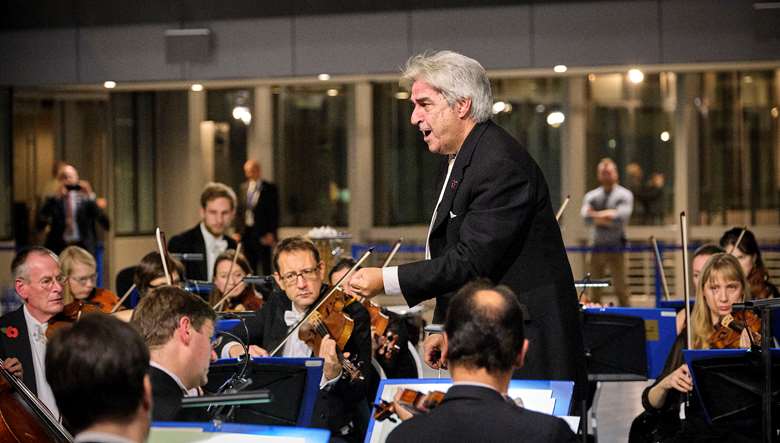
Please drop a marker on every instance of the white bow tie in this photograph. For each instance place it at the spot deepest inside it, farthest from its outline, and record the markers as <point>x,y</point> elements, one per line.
<point>292,317</point>
<point>39,334</point>
<point>220,245</point>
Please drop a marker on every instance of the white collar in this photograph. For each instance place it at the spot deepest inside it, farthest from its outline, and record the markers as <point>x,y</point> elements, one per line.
<point>31,321</point>
<point>208,236</point>
<point>175,378</point>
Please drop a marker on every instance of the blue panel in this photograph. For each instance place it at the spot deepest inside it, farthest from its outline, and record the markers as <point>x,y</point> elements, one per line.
<point>226,324</point>
<point>657,350</point>
<point>310,435</point>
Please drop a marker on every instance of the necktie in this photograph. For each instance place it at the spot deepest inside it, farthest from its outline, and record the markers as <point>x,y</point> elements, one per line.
<point>39,335</point>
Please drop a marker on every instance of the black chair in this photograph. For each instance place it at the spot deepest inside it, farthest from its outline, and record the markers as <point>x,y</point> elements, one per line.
<point>124,279</point>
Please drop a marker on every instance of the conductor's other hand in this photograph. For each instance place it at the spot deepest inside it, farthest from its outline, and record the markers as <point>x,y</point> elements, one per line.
<point>367,282</point>
<point>435,351</point>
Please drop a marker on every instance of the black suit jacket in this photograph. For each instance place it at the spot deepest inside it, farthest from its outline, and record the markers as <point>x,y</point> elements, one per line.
<point>266,211</point>
<point>191,241</point>
<point>479,414</point>
<point>496,221</point>
<point>166,398</point>
<point>19,347</point>
<point>88,213</point>
<point>344,401</point>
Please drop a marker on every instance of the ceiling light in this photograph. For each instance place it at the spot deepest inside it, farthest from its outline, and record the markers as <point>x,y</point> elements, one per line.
<point>560,69</point>
<point>196,87</point>
<point>323,77</point>
<point>555,119</point>
<point>635,76</point>
<point>109,84</point>
<point>332,92</point>
<point>402,95</point>
<point>665,136</point>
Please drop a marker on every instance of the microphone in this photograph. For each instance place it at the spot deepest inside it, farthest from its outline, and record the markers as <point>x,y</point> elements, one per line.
<point>200,287</point>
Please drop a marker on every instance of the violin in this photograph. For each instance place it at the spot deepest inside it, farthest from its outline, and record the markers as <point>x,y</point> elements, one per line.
<point>70,314</point>
<point>728,332</point>
<point>413,401</point>
<point>330,319</point>
<point>759,284</point>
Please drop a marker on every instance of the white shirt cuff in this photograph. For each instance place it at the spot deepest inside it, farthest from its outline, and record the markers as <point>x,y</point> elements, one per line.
<point>226,349</point>
<point>390,280</point>
<point>325,382</point>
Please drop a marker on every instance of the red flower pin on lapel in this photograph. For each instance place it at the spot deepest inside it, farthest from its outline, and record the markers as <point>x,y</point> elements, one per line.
<point>453,184</point>
<point>10,332</point>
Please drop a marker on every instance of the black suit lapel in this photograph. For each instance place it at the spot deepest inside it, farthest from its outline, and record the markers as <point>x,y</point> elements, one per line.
<point>19,347</point>
<point>277,329</point>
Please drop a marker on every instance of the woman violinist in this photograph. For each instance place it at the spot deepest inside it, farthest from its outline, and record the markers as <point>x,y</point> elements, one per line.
<point>721,284</point>
<point>243,297</point>
<point>80,271</point>
<point>749,256</point>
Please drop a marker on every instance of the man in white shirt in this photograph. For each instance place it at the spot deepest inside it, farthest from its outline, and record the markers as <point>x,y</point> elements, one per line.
<point>177,326</point>
<point>98,370</point>
<point>38,281</point>
<point>218,208</point>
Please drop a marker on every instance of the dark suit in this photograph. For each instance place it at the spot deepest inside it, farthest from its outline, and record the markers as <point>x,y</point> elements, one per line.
<point>266,218</point>
<point>88,213</point>
<point>495,220</point>
<point>18,347</point>
<point>480,414</point>
<point>166,399</point>
<point>191,241</point>
<point>344,401</point>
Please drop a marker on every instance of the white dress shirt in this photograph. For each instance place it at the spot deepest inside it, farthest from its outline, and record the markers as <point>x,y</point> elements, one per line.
<point>37,335</point>
<point>214,247</point>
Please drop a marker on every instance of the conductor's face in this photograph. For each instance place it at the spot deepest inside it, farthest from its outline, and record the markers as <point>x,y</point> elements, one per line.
<point>301,277</point>
<point>442,127</point>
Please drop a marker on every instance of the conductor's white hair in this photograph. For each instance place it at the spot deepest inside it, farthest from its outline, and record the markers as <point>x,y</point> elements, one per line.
<point>455,76</point>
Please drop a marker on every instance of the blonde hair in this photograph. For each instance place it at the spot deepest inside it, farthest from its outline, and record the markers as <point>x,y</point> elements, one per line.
<point>68,257</point>
<point>728,268</point>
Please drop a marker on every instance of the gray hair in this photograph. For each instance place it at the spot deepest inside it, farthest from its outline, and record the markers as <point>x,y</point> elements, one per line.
<point>19,263</point>
<point>455,76</point>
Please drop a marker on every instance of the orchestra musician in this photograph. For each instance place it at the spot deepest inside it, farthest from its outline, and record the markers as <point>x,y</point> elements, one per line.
<point>721,284</point>
<point>177,326</point>
<point>39,282</point>
<point>243,297</point>
<point>484,342</point>
<point>217,209</point>
<point>341,406</point>
<point>493,219</point>
<point>700,257</point>
<point>749,256</point>
<point>98,371</point>
<point>150,274</point>
<point>80,271</point>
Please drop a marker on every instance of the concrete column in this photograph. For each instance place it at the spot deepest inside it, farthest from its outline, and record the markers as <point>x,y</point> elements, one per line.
<point>360,154</point>
<point>260,146</point>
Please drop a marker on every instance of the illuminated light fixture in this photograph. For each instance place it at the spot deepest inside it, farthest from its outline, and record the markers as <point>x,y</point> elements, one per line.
<point>560,69</point>
<point>747,79</point>
<point>196,87</point>
<point>540,108</point>
<point>635,76</point>
<point>242,113</point>
<point>402,95</point>
<point>323,77</point>
<point>109,84</point>
<point>591,77</point>
<point>499,107</point>
<point>332,92</point>
<point>775,112</point>
<point>555,119</point>
<point>665,136</point>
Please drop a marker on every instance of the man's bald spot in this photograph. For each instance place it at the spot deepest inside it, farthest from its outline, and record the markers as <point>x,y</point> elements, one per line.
<point>489,303</point>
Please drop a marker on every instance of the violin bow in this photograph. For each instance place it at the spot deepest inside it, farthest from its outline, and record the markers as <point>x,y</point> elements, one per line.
<point>392,253</point>
<point>686,278</point>
<point>660,264</point>
<point>312,310</point>
<point>122,300</point>
<point>160,236</point>
<point>230,274</point>
<point>562,208</point>
<point>739,240</point>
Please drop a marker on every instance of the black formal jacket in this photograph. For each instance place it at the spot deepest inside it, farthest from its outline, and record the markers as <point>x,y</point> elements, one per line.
<point>19,347</point>
<point>166,398</point>
<point>495,220</point>
<point>88,214</point>
<point>191,241</point>
<point>266,211</point>
<point>480,414</point>
<point>345,400</point>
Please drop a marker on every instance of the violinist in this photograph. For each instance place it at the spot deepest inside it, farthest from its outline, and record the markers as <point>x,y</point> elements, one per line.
<point>243,297</point>
<point>80,271</point>
<point>150,274</point>
<point>99,373</point>
<point>721,284</point>
<point>749,256</point>
<point>700,257</point>
<point>341,406</point>
<point>39,282</point>
<point>484,342</point>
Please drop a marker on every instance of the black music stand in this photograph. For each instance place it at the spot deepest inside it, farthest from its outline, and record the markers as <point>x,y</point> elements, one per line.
<point>615,347</point>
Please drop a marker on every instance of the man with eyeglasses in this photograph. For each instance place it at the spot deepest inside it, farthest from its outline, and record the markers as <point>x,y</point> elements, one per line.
<point>341,406</point>
<point>39,282</point>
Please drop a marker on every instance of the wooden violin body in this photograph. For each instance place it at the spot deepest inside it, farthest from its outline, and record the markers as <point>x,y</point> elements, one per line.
<point>70,314</point>
<point>413,401</point>
<point>728,333</point>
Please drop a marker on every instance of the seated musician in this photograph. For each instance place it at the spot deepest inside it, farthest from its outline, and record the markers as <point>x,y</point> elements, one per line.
<point>242,297</point>
<point>150,274</point>
<point>177,327</point>
<point>80,270</point>
<point>700,257</point>
<point>484,342</point>
<point>749,256</point>
<point>400,364</point>
<point>721,284</point>
<point>98,371</point>
<point>341,405</point>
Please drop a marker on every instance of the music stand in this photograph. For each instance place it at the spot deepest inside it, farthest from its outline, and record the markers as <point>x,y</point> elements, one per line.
<point>615,347</point>
<point>293,383</point>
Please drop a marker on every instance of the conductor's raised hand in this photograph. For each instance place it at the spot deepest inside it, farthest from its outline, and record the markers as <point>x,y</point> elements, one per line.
<point>367,282</point>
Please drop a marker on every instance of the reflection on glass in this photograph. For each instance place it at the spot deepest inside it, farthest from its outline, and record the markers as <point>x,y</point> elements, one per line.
<point>231,109</point>
<point>632,123</point>
<point>310,154</point>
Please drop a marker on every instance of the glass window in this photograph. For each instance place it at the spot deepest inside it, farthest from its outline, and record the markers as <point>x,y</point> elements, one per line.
<point>6,189</point>
<point>739,148</point>
<point>310,154</point>
<point>230,109</point>
<point>134,166</point>
<point>404,170</point>
<point>630,120</point>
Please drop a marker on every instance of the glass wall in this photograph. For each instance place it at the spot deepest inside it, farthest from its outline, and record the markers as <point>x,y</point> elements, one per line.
<point>310,154</point>
<point>6,160</point>
<point>739,148</point>
<point>630,119</point>
<point>232,109</point>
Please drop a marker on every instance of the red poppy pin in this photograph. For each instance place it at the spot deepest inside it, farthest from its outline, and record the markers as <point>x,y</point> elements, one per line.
<point>10,332</point>
<point>453,184</point>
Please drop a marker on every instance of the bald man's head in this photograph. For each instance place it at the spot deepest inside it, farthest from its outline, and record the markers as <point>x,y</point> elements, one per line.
<point>252,170</point>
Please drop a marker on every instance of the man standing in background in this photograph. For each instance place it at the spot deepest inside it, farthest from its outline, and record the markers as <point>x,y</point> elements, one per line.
<point>258,217</point>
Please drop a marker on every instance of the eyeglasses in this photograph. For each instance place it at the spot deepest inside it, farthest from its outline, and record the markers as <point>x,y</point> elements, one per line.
<point>48,282</point>
<point>84,280</point>
<point>291,278</point>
